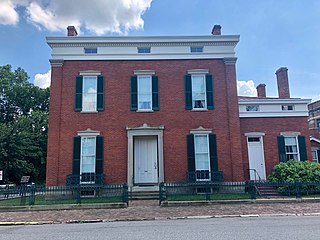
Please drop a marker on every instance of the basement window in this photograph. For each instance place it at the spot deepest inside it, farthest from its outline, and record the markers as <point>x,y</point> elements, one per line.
<point>90,50</point>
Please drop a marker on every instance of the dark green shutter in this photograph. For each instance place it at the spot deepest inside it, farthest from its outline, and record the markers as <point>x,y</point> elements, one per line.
<point>99,155</point>
<point>191,157</point>
<point>76,155</point>
<point>302,148</point>
<point>100,93</point>
<point>318,153</point>
<point>134,93</point>
<point>213,153</point>
<point>282,149</point>
<point>155,93</point>
<point>188,91</point>
<point>209,90</point>
<point>78,100</point>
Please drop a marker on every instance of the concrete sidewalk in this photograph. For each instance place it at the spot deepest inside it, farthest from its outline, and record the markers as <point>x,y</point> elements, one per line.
<point>150,210</point>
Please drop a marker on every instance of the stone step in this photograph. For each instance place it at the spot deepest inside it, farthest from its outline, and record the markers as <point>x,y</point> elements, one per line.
<point>143,195</point>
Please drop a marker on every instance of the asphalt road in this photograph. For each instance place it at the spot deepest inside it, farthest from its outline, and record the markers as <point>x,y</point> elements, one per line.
<point>271,228</point>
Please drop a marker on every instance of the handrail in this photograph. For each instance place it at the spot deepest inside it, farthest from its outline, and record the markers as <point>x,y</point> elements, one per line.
<point>255,174</point>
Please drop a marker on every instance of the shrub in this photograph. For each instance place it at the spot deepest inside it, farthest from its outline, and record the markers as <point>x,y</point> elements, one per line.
<point>300,171</point>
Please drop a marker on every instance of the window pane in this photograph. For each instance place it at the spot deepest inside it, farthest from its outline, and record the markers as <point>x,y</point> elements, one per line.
<point>144,92</point>
<point>89,93</point>
<point>198,91</point>
<point>88,154</point>
<point>290,141</point>
<point>202,160</point>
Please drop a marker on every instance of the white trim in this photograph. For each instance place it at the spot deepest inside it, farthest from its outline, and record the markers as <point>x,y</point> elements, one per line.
<point>88,132</point>
<point>315,139</point>
<point>198,71</point>
<point>290,134</point>
<point>254,134</point>
<point>90,73</point>
<point>273,114</point>
<point>260,101</point>
<point>144,72</point>
<point>201,130</point>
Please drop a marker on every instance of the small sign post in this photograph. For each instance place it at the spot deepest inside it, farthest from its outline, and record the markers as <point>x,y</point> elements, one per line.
<point>1,175</point>
<point>24,179</point>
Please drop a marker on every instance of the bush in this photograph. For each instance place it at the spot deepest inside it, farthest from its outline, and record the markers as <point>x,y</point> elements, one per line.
<point>296,171</point>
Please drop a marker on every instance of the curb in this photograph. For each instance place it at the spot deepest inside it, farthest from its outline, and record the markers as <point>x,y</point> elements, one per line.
<point>162,218</point>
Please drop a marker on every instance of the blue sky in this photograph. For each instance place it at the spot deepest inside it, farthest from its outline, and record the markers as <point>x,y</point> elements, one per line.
<point>273,33</point>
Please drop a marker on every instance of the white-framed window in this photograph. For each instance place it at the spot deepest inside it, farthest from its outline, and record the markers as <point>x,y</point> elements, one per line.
<point>287,107</point>
<point>88,158</point>
<point>144,92</point>
<point>196,49</point>
<point>89,94</point>
<point>202,155</point>
<point>318,123</point>
<point>199,98</point>
<point>292,148</point>
<point>314,156</point>
<point>90,50</point>
<point>252,108</point>
<point>144,50</point>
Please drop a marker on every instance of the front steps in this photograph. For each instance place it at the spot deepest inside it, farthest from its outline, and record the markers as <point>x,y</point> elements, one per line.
<point>144,193</point>
<point>266,191</point>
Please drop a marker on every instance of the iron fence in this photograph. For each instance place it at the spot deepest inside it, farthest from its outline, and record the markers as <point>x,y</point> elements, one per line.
<point>75,194</point>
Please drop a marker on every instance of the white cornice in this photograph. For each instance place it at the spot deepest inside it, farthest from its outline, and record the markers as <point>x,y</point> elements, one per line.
<point>273,101</point>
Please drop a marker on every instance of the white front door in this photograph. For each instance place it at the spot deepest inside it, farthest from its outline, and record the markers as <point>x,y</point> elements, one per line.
<point>145,160</point>
<point>256,158</point>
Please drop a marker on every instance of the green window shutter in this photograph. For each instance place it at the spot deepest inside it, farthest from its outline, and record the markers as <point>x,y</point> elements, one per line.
<point>302,148</point>
<point>188,91</point>
<point>100,93</point>
<point>213,153</point>
<point>191,157</point>
<point>282,149</point>
<point>155,93</point>
<point>318,153</point>
<point>99,155</point>
<point>76,155</point>
<point>134,93</point>
<point>209,89</point>
<point>78,101</point>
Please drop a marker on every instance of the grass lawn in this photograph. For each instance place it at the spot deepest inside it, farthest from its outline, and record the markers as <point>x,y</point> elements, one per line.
<point>42,200</point>
<point>199,197</point>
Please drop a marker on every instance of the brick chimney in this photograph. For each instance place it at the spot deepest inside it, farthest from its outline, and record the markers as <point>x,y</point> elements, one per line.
<point>72,32</point>
<point>283,82</point>
<point>216,30</point>
<point>261,90</point>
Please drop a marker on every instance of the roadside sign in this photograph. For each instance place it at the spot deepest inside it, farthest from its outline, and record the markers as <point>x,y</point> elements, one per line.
<point>1,175</point>
<point>24,179</point>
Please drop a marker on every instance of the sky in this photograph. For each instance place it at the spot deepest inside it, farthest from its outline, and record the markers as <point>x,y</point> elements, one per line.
<point>273,33</point>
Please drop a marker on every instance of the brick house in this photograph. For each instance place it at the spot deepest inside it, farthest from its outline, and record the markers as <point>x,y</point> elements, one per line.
<point>144,110</point>
<point>314,127</point>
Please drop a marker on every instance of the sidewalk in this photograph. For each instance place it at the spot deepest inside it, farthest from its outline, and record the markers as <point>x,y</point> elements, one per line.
<point>149,210</point>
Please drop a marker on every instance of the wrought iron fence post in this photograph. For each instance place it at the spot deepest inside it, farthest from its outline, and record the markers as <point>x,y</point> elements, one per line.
<point>78,194</point>
<point>298,186</point>
<point>125,197</point>
<point>32,196</point>
<point>252,189</point>
<point>207,192</point>
<point>162,195</point>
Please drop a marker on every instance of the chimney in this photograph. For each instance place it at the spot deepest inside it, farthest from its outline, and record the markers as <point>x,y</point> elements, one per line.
<point>216,30</point>
<point>72,32</point>
<point>261,90</point>
<point>283,82</point>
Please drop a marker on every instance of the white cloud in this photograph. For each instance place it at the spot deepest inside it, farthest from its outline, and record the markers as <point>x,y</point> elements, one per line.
<point>246,88</point>
<point>8,13</point>
<point>97,16</point>
<point>42,80</point>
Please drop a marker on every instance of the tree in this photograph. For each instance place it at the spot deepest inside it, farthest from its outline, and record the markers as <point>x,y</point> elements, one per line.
<point>23,126</point>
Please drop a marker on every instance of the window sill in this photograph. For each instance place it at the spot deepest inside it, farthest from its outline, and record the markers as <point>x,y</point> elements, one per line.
<point>199,110</point>
<point>144,111</point>
<point>89,112</point>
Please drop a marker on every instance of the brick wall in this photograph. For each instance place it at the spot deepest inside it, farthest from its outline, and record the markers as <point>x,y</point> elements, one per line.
<point>272,128</point>
<point>64,122</point>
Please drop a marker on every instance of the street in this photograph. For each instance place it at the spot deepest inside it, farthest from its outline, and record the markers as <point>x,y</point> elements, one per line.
<point>271,228</point>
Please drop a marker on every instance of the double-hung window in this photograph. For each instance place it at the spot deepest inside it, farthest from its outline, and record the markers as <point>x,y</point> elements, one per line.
<point>144,92</point>
<point>202,157</point>
<point>88,159</point>
<point>292,146</point>
<point>198,91</point>
<point>89,93</point>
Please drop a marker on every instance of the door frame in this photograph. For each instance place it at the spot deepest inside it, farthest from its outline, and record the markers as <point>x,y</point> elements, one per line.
<point>144,130</point>
<point>259,135</point>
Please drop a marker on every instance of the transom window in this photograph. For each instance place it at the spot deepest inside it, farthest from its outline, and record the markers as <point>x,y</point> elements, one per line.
<point>202,158</point>
<point>88,158</point>
<point>196,49</point>
<point>252,108</point>
<point>292,149</point>
<point>199,92</point>
<point>89,100</point>
<point>90,50</point>
<point>144,50</point>
<point>144,92</point>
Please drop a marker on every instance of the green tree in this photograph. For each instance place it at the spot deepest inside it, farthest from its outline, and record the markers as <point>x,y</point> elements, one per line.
<point>23,126</point>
